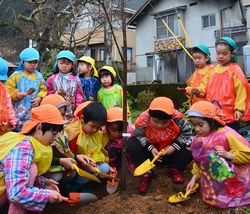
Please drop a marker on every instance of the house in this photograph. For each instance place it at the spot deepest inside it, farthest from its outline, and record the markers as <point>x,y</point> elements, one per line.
<point>94,38</point>
<point>158,55</point>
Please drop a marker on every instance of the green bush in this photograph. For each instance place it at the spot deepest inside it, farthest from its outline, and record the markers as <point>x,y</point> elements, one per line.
<point>144,99</point>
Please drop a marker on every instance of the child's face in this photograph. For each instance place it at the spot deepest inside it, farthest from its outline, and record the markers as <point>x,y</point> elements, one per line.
<point>158,124</point>
<point>114,131</point>
<point>106,81</point>
<point>64,65</point>
<point>30,66</point>
<point>223,54</point>
<point>200,60</point>
<point>91,127</point>
<point>48,137</point>
<point>84,68</point>
<point>201,127</point>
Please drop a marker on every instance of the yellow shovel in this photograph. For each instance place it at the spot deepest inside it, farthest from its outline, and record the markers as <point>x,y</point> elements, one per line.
<point>147,165</point>
<point>104,175</point>
<point>179,197</point>
<point>86,174</point>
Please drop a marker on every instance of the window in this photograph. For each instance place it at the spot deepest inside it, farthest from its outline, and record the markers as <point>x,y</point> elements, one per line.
<point>93,53</point>
<point>129,54</point>
<point>161,30</point>
<point>149,61</point>
<point>101,55</point>
<point>208,21</point>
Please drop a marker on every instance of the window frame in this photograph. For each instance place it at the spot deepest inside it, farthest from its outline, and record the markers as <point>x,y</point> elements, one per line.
<point>209,20</point>
<point>167,19</point>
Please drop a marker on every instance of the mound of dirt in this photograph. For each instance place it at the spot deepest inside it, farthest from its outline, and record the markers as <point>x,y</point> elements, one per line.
<point>155,201</point>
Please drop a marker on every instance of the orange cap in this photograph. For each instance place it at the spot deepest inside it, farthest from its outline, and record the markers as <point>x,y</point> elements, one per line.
<point>204,109</point>
<point>162,104</point>
<point>46,113</point>
<point>114,114</point>
<point>55,100</point>
<point>79,109</point>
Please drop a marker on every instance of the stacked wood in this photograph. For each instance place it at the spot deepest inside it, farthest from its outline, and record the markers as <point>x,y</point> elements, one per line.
<point>168,44</point>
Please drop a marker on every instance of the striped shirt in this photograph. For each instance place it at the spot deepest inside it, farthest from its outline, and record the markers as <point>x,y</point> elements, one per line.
<point>16,168</point>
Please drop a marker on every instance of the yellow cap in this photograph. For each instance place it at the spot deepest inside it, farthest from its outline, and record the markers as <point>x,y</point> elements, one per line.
<point>91,61</point>
<point>108,68</point>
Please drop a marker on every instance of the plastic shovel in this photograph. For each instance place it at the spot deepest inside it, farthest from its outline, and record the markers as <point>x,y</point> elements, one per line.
<point>86,174</point>
<point>69,200</point>
<point>112,185</point>
<point>147,165</point>
<point>179,197</point>
<point>104,175</point>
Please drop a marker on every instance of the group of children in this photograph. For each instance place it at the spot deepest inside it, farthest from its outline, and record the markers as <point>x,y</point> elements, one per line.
<point>81,117</point>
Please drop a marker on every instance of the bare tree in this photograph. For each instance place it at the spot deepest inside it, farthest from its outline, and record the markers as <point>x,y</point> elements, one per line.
<point>43,21</point>
<point>123,55</point>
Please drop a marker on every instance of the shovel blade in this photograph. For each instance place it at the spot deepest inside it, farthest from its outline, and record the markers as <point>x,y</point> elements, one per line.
<point>179,197</point>
<point>86,174</point>
<point>104,175</point>
<point>112,186</point>
<point>144,167</point>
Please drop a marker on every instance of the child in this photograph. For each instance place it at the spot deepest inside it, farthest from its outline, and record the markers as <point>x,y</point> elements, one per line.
<point>222,159</point>
<point>26,86</point>
<point>111,94</point>
<point>161,127</point>
<point>25,155</point>
<point>201,55</point>
<point>86,138</point>
<point>227,87</point>
<point>7,114</point>
<point>88,76</point>
<point>114,134</point>
<point>65,82</point>
<point>62,156</point>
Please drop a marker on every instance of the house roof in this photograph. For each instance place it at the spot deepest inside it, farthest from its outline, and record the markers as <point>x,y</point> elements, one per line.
<point>141,11</point>
<point>147,5</point>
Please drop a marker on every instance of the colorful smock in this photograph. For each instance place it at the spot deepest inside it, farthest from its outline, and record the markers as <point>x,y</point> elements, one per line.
<point>160,138</point>
<point>224,183</point>
<point>21,81</point>
<point>7,114</point>
<point>90,86</point>
<point>194,81</point>
<point>228,88</point>
<point>71,87</point>
<point>42,154</point>
<point>86,144</point>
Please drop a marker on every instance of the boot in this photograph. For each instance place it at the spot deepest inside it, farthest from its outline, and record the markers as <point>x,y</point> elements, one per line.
<point>145,182</point>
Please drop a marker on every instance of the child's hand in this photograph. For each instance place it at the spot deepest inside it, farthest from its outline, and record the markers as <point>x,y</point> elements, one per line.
<point>84,159</point>
<point>195,92</point>
<point>35,102</point>
<point>21,95</point>
<point>154,152</point>
<point>61,92</point>
<point>182,90</point>
<point>237,115</point>
<point>67,163</point>
<point>223,153</point>
<point>54,196</point>
<point>51,185</point>
<point>168,150</point>
<point>191,183</point>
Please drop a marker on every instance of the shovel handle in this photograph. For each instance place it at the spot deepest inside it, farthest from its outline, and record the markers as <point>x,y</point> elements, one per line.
<point>157,156</point>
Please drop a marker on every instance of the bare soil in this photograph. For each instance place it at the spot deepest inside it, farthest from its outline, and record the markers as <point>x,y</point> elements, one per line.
<point>155,201</point>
